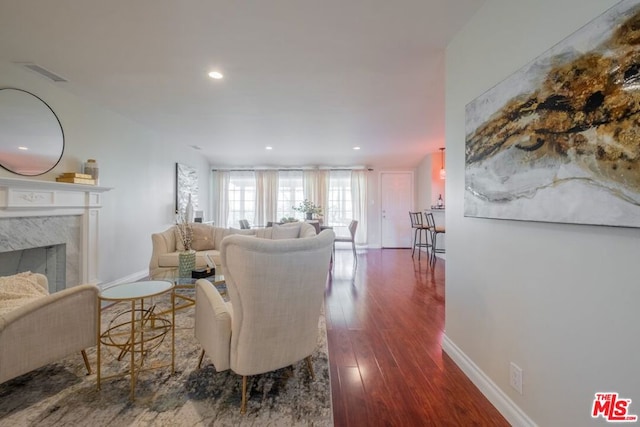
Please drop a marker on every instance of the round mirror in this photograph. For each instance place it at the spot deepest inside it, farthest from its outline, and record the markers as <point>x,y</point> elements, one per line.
<point>31,137</point>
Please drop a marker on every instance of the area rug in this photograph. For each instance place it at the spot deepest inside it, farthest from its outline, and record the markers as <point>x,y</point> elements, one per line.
<point>62,394</point>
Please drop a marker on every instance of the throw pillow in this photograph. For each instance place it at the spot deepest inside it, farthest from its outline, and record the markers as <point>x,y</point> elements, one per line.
<point>202,239</point>
<point>289,231</point>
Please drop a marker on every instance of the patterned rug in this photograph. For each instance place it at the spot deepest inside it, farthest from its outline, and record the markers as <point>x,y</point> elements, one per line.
<point>61,394</point>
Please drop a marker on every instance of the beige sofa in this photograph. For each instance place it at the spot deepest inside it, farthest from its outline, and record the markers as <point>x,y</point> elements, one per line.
<point>39,330</point>
<point>207,239</point>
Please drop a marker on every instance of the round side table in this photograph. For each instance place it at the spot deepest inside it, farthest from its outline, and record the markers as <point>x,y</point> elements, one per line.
<point>137,330</point>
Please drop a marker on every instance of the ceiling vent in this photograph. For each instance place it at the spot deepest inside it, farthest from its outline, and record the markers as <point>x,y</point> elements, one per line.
<point>43,72</point>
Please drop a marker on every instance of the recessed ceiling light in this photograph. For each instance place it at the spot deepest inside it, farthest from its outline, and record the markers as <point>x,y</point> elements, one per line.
<point>23,148</point>
<point>356,148</point>
<point>268,147</point>
<point>215,75</point>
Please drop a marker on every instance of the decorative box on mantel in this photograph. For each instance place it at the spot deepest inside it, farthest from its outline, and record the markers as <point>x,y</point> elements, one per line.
<point>23,199</point>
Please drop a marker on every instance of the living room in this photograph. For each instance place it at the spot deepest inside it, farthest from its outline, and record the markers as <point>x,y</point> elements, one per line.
<point>556,299</point>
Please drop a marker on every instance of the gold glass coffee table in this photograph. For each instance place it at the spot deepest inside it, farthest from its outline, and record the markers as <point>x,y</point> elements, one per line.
<point>184,287</point>
<point>137,330</point>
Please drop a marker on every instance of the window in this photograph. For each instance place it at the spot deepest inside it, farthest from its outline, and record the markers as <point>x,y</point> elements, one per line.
<point>333,190</point>
<point>242,197</point>
<point>290,193</point>
<point>339,213</point>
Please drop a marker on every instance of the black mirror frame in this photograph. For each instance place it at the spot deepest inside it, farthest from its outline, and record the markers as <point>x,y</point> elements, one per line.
<point>61,131</point>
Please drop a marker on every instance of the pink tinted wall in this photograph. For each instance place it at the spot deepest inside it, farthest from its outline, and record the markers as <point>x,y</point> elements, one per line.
<point>437,184</point>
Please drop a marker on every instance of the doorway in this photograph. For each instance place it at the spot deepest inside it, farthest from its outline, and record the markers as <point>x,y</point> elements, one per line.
<point>396,200</point>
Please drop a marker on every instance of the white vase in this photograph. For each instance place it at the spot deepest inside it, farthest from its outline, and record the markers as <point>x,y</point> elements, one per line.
<point>188,211</point>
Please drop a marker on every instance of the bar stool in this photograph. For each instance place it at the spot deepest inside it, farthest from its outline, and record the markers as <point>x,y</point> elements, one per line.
<point>419,229</point>
<point>431,224</point>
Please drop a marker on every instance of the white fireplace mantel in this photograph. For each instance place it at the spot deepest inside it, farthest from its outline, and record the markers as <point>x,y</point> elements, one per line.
<point>30,197</point>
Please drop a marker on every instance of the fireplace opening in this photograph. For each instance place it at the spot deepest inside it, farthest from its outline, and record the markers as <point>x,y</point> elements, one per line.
<point>49,260</point>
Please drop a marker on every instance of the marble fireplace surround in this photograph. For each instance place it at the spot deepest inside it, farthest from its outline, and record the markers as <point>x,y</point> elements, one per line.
<point>38,213</point>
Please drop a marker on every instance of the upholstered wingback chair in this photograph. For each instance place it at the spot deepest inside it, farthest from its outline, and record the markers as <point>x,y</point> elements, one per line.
<point>48,328</point>
<point>353,226</point>
<point>276,290</point>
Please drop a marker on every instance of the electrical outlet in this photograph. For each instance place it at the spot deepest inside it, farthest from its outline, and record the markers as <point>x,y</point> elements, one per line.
<point>515,377</point>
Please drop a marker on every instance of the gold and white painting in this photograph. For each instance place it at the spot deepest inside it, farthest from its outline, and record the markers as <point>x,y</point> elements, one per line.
<point>559,140</point>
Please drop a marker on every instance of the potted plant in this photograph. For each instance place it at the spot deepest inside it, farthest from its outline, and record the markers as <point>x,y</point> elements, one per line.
<point>308,208</point>
<point>187,257</point>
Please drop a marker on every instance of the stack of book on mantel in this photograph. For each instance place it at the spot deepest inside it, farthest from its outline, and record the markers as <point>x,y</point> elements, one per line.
<point>76,178</point>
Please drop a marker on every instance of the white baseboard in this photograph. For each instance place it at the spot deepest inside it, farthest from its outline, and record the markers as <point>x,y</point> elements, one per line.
<point>130,278</point>
<point>512,412</point>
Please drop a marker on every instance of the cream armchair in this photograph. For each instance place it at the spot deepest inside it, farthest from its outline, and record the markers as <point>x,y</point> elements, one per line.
<point>47,329</point>
<point>276,289</point>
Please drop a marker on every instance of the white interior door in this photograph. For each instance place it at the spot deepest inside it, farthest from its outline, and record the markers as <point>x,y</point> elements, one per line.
<point>396,200</point>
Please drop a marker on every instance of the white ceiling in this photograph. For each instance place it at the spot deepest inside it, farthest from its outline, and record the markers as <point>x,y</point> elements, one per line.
<point>310,78</point>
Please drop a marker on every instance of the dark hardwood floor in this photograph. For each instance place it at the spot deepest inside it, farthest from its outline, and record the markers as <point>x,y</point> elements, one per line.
<point>384,326</point>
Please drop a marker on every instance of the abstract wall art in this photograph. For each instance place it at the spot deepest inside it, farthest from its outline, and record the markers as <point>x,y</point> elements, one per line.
<point>186,186</point>
<point>559,140</point>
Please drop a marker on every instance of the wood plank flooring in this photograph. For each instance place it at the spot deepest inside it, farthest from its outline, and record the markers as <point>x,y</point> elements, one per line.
<point>384,326</point>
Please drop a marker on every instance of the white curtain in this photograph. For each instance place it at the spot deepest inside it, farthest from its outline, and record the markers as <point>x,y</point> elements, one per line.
<point>266,196</point>
<point>359,200</point>
<point>220,212</point>
<point>316,187</point>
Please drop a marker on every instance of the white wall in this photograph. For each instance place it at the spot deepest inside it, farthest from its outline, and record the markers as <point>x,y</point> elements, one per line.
<point>559,300</point>
<point>138,163</point>
<point>424,184</point>
<point>373,210</point>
